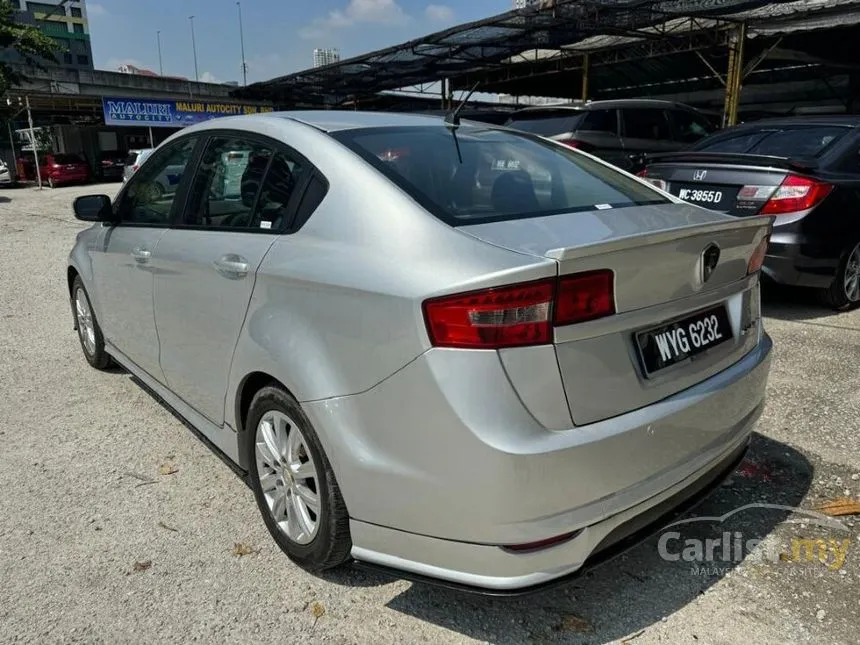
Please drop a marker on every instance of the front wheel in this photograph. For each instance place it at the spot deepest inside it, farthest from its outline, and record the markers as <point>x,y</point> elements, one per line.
<point>844,291</point>
<point>294,484</point>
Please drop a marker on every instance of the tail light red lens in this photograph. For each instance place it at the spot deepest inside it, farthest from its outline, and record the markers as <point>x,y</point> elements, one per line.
<point>572,143</point>
<point>757,257</point>
<point>584,296</point>
<point>794,194</point>
<point>517,315</point>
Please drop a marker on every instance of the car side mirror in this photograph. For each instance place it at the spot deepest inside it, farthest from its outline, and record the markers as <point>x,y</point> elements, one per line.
<point>93,208</point>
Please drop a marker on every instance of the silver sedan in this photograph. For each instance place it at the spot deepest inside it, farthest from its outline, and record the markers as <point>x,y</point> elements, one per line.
<point>453,350</point>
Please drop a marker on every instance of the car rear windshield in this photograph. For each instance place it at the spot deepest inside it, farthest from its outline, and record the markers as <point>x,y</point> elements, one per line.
<point>546,123</point>
<point>475,175</point>
<point>805,141</point>
<point>67,159</point>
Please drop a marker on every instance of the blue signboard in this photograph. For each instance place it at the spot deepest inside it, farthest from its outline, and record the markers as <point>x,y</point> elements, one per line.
<point>170,114</point>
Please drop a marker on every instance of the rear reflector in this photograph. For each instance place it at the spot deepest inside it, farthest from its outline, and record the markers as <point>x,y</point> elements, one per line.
<point>584,296</point>
<point>794,194</point>
<point>541,544</point>
<point>518,315</point>
<point>757,257</point>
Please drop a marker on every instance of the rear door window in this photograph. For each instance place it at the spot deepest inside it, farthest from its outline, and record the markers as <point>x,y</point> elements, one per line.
<point>67,159</point>
<point>496,175</point>
<point>646,123</point>
<point>546,123</point>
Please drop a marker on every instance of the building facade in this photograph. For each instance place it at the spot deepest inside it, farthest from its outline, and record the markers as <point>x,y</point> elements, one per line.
<point>65,22</point>
<point>522,4</point>
<point>326,57</point>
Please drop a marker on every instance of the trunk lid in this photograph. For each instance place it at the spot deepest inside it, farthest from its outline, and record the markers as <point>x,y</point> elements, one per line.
<point>657,254</point>
<point>714,180</point>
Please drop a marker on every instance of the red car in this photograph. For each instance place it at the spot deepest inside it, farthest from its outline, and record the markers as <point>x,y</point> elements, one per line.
<point>60,168</point>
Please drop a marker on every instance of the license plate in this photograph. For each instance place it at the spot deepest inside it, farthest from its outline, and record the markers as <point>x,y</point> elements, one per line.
<point>674,342</point>
<point>714,197</point>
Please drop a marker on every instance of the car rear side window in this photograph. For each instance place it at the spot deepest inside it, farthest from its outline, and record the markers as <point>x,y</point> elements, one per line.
<point>67,159</point>
<point>645,123</point>
<point>479,175</point>
<point>546,123</point>
<point>600,121</point>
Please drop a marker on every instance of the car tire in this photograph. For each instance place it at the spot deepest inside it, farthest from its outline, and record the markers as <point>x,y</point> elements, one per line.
<point>280,442</point>
<point>844,292</point>
<point>89,331</point>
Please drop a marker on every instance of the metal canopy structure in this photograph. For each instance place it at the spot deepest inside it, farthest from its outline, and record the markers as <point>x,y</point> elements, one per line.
<point>477,46</point>
<point>599,49</point>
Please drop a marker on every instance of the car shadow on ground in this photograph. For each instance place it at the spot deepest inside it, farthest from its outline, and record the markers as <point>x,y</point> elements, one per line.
<point>637,589</point>
<point>4,199</point>
<point>793,303</point>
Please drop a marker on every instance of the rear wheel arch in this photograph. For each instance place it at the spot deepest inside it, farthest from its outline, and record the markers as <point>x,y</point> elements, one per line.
<point>248,388</point>
<point>71,274</point>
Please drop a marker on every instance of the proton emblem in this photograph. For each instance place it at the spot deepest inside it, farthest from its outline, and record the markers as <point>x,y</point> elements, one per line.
<point>710,258</point>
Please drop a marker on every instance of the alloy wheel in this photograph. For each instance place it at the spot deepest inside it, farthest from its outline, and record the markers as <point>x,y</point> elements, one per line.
<point>851,281</point>
<point>86,326</point>
<point>288,476</point>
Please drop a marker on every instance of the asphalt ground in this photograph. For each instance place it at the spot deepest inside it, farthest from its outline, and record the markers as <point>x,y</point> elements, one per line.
<point>99,545</point>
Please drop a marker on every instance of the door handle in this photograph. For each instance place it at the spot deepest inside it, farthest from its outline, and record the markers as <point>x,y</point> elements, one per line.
<point>232,266</point>
<point>141,254</point>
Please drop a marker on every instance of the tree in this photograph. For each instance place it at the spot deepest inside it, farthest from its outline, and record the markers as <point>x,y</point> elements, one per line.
<point>34,46</point>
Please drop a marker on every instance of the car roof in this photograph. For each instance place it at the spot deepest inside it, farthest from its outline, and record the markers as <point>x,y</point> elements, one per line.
<point>847,120</point>
<point>605,105</point>
<point>334,120</point>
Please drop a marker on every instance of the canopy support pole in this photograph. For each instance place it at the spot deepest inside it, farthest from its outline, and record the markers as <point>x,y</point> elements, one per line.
<point>734,75</point>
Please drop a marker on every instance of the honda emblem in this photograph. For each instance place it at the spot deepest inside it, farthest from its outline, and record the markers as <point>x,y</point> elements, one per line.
<point>699,175</point>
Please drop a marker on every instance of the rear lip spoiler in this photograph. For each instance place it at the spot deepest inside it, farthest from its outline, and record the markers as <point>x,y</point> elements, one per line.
<point>660,236</point>
<point>733,158</point>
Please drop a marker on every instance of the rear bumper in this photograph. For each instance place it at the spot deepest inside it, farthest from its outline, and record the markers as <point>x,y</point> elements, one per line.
<point>441,464</point>
<point>795,260</point>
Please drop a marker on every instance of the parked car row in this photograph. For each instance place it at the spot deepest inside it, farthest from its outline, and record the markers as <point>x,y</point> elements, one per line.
<point>58,169</point>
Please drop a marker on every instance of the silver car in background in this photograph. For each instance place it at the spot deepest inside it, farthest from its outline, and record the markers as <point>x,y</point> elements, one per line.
<point>133,161</point>
<point>453,350</point>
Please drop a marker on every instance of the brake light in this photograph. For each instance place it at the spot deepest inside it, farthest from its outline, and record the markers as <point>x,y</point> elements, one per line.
<point>794,194</point>
<point>584,296</point>
<point>518,315</point>
<point>757,257</point>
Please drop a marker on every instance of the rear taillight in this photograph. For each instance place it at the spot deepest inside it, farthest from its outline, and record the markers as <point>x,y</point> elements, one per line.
<point>584,296</point>
<point>659,183</point>
<point>757,257</point>
<point>518,315</point>
<point>492,318</point>
<point>794,194</point>
<point>574,143</point>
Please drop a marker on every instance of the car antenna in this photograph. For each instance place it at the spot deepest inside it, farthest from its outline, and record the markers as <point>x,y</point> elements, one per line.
<point>452,120</point>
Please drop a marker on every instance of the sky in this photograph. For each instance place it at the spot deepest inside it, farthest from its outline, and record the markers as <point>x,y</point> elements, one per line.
<point>280,35</point>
